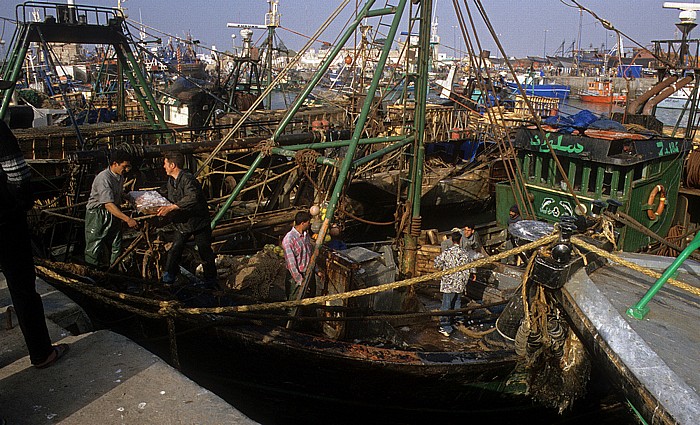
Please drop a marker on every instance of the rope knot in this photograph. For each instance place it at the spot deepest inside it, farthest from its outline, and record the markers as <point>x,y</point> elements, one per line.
<point>168,308</point>
<point>306,158</point>
<point>265,146</point>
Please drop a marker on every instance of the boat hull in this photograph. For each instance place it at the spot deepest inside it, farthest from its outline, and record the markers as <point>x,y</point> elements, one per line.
<point>274,360</point>
<point>594,98</point>
<point>559,91</point>
<point>654,362</point>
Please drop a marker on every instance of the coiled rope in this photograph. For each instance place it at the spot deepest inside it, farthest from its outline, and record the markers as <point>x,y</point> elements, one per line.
<point>692,169</point>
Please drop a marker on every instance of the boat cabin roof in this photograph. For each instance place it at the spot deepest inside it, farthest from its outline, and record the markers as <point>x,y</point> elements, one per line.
<point>603,146</point>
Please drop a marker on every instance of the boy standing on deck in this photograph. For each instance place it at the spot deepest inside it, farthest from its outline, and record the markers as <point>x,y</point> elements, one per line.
<point>452,285</point>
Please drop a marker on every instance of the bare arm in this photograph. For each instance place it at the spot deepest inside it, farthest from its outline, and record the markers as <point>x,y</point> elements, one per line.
<point>115,211</point>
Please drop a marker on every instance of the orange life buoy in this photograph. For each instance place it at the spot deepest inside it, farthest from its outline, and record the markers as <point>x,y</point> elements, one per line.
<point>658,189</point>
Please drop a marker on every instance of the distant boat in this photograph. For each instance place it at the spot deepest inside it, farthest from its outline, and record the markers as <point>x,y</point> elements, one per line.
<point>601,92</point>
<point>678,100</point>
<point>535,86</point>
<point>559,91</point>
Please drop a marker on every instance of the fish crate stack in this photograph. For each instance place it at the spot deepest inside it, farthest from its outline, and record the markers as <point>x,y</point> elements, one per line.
<point>429,248</point>
<point>542,106</point>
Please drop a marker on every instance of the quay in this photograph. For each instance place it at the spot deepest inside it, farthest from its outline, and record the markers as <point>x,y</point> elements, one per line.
<point>105,377</point>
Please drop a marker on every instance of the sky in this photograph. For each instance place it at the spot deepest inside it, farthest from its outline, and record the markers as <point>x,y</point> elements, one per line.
<point>525,27</point>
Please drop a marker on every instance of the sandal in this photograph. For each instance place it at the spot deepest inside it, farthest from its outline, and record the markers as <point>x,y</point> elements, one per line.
<point>59,350</point>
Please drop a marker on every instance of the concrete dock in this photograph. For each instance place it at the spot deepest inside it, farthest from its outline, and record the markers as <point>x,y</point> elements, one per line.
<point>105,378</point>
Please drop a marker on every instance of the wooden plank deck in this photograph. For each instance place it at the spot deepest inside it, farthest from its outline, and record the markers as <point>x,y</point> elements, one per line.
<point>655,360</point>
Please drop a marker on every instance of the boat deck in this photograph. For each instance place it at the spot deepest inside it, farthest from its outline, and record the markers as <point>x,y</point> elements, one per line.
<point>655,359</point>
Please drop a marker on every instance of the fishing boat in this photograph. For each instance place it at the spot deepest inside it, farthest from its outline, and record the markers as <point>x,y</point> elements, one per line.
<point>634,311</point>
<point>364,330</point>
<point>602,92</point>
<point>534,85</point>
<point>679,100</point>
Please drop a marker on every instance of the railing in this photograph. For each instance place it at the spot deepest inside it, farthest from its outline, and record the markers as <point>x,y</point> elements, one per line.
<point>35,11</point>
<point>639,310</point>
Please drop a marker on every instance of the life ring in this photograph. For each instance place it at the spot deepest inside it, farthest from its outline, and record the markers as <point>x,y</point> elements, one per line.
<point>658,189</point>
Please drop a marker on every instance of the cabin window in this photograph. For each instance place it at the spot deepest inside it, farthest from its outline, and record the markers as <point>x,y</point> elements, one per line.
<point>549,171</point>
<point>607,182</point>
<point>638,172</point>
<point>571,170</point>
<point>593,186</point>
<point>528,167</point>
<point>576,174</point>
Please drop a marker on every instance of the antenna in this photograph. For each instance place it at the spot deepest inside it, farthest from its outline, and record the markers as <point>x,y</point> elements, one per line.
<point>688,11</point>
<point>687,23</point>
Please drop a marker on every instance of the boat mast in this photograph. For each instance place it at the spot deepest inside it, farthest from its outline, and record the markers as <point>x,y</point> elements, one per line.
<point>408,262</point>
<point>272,21</point>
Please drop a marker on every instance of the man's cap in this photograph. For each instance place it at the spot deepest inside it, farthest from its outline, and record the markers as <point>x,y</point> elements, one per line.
<point>514,209</point>
<point>456,229</point>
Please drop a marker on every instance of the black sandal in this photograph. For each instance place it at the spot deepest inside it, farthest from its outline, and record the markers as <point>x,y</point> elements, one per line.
<point>59,350</point>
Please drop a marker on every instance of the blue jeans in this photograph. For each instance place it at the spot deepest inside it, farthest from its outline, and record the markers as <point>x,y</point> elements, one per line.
<point>450,301</point>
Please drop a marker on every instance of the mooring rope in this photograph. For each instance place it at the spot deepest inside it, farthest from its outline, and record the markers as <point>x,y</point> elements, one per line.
<point>375,289</point>
<point>172,308</point>
<point>678,284</point>
<point>169,308</point>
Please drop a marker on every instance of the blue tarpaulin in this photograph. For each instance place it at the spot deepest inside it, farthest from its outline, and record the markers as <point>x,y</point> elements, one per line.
<point>629,71</point>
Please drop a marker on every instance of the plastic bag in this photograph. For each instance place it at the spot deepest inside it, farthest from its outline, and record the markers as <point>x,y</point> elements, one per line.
<point>148,201</point>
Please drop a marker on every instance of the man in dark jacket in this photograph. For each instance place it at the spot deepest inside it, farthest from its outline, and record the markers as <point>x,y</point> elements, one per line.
<point>190,214</point>
<point>16,257</point>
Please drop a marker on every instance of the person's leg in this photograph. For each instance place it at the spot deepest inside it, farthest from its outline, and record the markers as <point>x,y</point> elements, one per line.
<point>172,263</point>
<point>203,241</point>
<point>293,289</point>
<point>457,305</point>
<point>114,238</point>
<point>18,267</point>
<point>446,305</point>
<point>95,231</point>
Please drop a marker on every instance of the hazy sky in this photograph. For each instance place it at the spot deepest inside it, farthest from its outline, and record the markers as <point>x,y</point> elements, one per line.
<point>524,25</point>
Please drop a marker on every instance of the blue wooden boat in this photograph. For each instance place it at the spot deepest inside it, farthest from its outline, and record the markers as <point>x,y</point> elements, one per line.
<point>559,91</point>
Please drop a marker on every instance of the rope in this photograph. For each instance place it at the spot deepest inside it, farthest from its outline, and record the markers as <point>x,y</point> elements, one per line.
<point>675,233</point>
<point>375,289</point>
<point>692,170</point>
<point>678,284</point>
<point>265,146</point>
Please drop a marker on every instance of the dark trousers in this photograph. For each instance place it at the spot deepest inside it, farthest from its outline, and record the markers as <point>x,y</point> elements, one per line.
<point>18,267</point>
<point>202,239</point>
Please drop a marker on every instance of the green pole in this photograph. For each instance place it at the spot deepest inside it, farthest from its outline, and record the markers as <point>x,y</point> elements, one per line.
<point>381,152</point>
<point>322,70</point>
<point>137,79</point>
<point>639,310</point>
<point>408,262</point>
<point>322,160</point>
<point>237,189</point>
<point>7,96</point>
<point>359,128</point>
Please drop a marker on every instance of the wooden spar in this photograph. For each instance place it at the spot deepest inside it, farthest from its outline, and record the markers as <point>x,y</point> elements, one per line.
<point>267,219</point>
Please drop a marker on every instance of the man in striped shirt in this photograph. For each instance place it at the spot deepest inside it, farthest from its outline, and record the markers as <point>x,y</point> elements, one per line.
<point>16,257</point>
<point>297,252</point>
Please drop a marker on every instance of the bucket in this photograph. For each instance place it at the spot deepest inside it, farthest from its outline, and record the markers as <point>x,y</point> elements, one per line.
<point>509,321</point>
